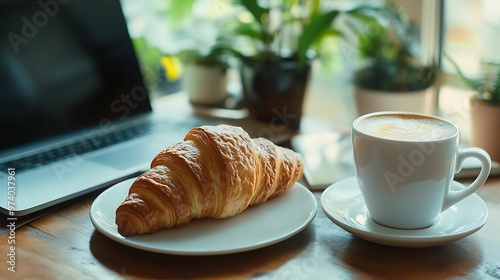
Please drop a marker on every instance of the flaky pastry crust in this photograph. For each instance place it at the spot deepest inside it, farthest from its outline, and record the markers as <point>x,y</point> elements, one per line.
<point>217,171</point>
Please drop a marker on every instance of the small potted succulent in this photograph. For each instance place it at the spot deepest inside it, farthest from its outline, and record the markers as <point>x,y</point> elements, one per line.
<point>205,76</point>
<point>485,107</point>
<point>201,48</point>
<point>392,77</point>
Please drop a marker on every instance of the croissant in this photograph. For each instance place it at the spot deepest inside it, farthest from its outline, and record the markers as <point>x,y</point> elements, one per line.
<point>217,171</point>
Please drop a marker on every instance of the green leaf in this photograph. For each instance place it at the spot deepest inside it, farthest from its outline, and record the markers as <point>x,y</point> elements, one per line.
<point>179,11</point>
<point>369,13</point>
<point>257,11</point>
<point>493,79</point>
<point>244,29</point>
<point>332,32</point>
<point>313,31</point>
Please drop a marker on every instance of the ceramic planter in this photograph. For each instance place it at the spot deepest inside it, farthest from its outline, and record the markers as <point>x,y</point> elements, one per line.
<point>205,84</point>
<point>485,127</point>
<point>420,101</point>
<point>274,91</point>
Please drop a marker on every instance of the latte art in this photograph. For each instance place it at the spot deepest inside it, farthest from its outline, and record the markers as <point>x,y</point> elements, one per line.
<point>406,127</point>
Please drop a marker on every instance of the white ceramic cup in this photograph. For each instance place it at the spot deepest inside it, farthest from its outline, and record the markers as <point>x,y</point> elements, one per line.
<point>405,164</point>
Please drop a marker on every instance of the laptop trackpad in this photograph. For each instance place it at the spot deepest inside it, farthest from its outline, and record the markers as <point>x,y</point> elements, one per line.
<point>136,154</point>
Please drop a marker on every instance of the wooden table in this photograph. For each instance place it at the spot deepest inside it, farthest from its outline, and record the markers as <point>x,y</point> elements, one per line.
<point>64,245</point>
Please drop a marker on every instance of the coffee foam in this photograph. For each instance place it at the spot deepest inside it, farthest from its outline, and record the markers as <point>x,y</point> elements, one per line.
<point>406,127</point>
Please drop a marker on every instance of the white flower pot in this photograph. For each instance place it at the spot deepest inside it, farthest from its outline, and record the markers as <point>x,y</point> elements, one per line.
<point>205,84</point>
<point>485,127</point>
<point>368,101</point>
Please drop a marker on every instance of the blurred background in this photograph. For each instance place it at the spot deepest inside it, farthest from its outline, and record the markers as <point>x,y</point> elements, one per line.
<point>465,30</point>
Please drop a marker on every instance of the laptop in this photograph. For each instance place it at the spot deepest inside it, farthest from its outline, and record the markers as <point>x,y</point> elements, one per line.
<point>75,115</point>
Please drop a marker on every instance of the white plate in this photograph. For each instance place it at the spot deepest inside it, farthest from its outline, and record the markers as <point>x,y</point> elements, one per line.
<point>258,226</point>
<point>343,204</point>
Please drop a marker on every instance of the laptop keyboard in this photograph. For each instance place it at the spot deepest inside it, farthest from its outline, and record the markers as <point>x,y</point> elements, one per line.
<point>92,143</point>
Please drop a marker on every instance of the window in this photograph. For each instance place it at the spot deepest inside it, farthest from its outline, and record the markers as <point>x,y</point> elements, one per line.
<point>471,34</point>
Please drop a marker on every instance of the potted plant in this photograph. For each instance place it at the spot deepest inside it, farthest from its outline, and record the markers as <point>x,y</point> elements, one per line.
<point>392,77</point>
<point>201,49</point>
<point>485,107</point>
<point>276,47</point>
<point>204,76</point>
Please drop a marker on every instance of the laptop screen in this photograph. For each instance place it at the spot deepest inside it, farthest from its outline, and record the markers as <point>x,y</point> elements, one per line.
<point>65,65</point>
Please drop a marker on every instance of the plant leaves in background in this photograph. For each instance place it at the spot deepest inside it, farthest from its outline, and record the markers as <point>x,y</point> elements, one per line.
<point>313,31</point>
<point>178,11</point>
<point>258,12</point>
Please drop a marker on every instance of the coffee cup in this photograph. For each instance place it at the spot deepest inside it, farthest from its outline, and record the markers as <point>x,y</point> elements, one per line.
<point>405,164</point>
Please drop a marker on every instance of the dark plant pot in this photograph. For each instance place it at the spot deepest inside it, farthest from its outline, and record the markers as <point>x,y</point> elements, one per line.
<point>274,91</point>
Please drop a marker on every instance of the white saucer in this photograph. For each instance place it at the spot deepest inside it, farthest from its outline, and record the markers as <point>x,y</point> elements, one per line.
<point>343,204</point>
<point>258,226</point>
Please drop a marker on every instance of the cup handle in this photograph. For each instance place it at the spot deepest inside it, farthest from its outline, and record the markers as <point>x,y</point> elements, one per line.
<point>455,196</point>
